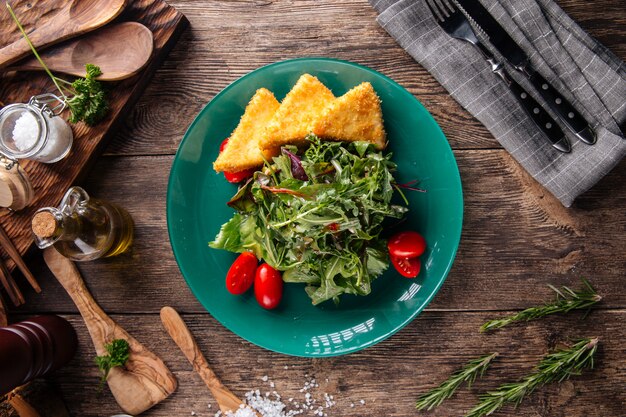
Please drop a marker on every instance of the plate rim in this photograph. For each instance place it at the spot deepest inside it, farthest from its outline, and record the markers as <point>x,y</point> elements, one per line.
<point>457,179</point>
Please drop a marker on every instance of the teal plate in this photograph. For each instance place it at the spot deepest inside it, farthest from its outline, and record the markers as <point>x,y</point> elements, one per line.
<point>196,208</point>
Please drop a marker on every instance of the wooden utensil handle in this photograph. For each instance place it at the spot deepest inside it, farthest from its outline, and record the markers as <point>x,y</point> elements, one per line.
<point>179,332</point>
<point>96,320</point>
<point>15,51</point>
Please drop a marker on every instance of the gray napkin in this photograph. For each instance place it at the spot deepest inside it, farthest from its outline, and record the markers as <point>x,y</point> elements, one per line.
<point>583,70</point>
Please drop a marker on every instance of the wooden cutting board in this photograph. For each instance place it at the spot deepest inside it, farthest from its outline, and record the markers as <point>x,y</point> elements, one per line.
<point>50,181</point>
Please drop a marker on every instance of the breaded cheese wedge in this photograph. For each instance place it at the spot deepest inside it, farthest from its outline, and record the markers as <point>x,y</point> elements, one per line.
<point>352,117</point>
<point>242,151</point>
<point>292,121</point>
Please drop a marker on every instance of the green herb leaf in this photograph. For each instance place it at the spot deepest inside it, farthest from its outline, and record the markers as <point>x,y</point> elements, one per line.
<point>89,102</point>
<point>118,352</point>
<point>554,367</point>
<point>446,389</point>
<point>566,300</point>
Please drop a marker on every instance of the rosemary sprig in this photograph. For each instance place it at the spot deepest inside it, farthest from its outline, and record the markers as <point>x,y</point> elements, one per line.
<point>566,300</point>
<point>557,366</point>
<point>446,389</point>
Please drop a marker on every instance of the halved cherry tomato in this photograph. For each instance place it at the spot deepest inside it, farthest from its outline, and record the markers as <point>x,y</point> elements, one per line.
<point>268,286</point>
<point>407,244</point>
<point>407,267</point>
<point>240,276</point>
<point>238,176</point>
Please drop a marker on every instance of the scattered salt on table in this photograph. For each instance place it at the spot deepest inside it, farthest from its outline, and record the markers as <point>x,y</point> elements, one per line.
<point>270,404</point>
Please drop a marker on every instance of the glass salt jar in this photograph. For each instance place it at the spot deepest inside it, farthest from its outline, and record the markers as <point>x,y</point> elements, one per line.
<point>34,130</point>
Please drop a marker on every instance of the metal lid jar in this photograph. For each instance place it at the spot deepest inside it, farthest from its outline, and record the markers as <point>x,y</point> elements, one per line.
<point>34,130</point>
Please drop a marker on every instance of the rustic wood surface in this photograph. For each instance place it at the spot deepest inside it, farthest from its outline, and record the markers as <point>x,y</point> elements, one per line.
<point>516,237</point>
<point>50,181</point>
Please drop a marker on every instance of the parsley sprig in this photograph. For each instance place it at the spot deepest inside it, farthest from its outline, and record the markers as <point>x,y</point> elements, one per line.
<point>118,352</point>
<point>85,96</point>
<point>446,389</point>
<point>554,367</point>
<point>566,301</point>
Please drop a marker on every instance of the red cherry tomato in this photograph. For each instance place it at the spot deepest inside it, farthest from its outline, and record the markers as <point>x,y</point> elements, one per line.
<point>268,286</point>
<point>238,176</point>
<point>406,244</point>
<point>223,144</point>
<point>333,227</point>
<point>240,276</point>
<point>407,267</point>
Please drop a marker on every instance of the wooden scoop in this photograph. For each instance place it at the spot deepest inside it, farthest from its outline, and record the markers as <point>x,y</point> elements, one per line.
<point>120,50</point>
<point>179,332</point>
<point>72,19</point>
<point>146,381</point>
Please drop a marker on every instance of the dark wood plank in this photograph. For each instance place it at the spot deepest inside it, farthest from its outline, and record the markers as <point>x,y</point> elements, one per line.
<point>388,376</point>
<point>229,39</point>
<point>50,181</point>
<point>516,239</point>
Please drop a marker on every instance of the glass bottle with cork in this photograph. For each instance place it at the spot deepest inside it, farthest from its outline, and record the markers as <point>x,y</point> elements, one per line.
<point>83,228</point>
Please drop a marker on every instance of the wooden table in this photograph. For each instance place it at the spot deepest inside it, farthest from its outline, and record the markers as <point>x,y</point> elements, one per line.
<point>516,237</point>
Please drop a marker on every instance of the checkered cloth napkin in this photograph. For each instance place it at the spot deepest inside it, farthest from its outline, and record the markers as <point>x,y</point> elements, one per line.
<point>591,77</point>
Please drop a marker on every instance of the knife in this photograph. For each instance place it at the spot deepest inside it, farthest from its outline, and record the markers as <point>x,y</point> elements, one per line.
<point>514,54</point>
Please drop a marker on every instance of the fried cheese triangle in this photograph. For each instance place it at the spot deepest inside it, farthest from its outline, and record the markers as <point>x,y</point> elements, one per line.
<point>243,150</point>
<point>292,121</point>
<point>352,117</point>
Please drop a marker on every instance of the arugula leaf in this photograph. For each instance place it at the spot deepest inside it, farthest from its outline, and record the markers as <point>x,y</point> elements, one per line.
<point>324,230</point>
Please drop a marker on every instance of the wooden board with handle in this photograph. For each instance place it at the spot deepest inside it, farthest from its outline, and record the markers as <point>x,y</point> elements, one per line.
<point>50,181</point>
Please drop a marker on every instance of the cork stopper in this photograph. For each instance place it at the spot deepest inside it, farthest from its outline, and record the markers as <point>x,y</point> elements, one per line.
<point>44,224</point>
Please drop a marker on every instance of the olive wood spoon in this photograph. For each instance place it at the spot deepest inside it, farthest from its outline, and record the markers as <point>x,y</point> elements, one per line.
<point>120,50</point>
<point>176,327</point>
<point>145,380</point>
<point>74,18</point>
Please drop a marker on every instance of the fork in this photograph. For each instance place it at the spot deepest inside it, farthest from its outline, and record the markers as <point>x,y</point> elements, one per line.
<point>454,23</point>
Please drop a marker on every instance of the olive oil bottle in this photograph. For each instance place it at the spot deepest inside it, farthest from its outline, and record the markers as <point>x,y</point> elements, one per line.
<point>83,228</point>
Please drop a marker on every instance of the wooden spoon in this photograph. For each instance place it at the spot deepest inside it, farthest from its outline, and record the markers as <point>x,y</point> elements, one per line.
<point>179,332</point>
<point>74,18</point>
<point>120,50</point>
<point>145,381</point>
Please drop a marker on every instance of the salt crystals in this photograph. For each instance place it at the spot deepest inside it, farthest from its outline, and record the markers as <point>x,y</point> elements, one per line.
<point>34,134</point>
<point>25,131</point>
<point>270,405</point>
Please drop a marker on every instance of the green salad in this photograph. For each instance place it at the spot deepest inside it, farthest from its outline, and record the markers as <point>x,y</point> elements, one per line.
<point>318,216</point>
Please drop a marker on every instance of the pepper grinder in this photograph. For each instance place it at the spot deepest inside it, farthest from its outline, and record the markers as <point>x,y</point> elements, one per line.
<point>33,348</point>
